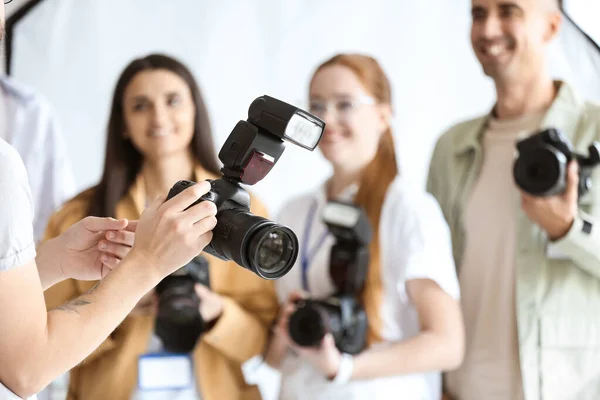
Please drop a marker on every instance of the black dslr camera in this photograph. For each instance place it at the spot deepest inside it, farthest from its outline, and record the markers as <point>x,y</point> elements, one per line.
<point>541,166</point>
<point>251,150</point>
<point>342,314</point>
<point>255,243</point>
<point>179,323</point>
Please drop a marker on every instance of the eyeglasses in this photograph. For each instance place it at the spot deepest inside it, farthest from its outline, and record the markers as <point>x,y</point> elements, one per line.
<point>7,1</point>
<point>343,107</point>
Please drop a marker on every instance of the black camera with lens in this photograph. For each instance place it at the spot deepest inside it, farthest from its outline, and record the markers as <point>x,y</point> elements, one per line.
<point>342,314</point>
<point>179,323</point>
<point>251,150</point>
<point>541,166</point>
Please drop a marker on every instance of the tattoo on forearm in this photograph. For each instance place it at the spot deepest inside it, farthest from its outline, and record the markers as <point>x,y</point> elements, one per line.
<point>73,305</point>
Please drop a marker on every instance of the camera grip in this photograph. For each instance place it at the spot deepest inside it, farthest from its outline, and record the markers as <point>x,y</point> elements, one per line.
<point>180,186</point>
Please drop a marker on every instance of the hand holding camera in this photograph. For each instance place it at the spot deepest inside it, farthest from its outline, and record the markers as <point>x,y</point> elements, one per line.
<point>554,214</point>
<point>552,178</point>
<point>169,234</point>
<point>248,155</point>
<point>323,355</point>
<point>267,249</point>
<point>211,303</point>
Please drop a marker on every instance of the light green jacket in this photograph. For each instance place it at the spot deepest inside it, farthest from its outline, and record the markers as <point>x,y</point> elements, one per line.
<point>558,300</point>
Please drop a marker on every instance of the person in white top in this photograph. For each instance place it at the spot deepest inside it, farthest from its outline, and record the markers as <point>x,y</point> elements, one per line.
<point>37,345</point>
<point>411,295</point>
<point>28,123</point>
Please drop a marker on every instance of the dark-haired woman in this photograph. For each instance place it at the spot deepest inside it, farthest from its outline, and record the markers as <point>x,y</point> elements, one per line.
<point>159,133</point>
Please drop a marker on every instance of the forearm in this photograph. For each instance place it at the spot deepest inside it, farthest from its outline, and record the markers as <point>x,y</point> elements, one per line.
<point>428,351</point>
<point>73,330</point>
<point>48,264</point>
<point>276,351</point>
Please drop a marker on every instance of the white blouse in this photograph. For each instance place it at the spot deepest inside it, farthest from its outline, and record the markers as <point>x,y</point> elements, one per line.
<point>415,243</point>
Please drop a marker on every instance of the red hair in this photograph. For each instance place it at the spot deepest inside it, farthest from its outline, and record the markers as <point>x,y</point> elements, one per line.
<point>372,191</point>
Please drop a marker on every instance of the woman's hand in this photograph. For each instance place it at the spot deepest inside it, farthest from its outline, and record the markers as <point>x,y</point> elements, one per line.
<point>284,315</point>
<point>325,358</point>
<point>211,304</point>
<point>279,345</point>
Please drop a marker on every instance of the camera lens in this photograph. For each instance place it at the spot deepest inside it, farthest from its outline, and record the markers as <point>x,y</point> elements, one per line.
<point>307,326</point>
<point>178,323</point>
<point>262,246</point>
<point>273,250</point>
<point>541,172</point>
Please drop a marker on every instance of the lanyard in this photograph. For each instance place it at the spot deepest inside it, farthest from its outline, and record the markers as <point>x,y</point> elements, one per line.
<point>306,259</point>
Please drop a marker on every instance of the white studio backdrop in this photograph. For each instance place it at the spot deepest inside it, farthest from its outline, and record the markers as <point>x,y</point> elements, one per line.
<point>72,51</point>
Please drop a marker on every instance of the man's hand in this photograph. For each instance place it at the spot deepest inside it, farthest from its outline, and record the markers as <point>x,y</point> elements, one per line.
<point>554,214</point>
<point>211,304</point>
<point>87,251</point>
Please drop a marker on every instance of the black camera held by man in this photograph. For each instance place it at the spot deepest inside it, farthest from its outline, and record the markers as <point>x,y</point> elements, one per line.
<point>541,166</point>
<point>179,323</point>
<point>342,314</point>
<point>251,150</point>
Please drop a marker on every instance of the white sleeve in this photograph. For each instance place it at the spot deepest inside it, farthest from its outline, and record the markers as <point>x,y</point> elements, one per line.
<point>58,183</point>
<point>38,136</point>
<point>420,244</point>
<point>16,211</point>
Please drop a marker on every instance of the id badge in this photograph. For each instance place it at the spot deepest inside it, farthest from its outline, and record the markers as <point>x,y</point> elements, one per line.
<point>165,371</point>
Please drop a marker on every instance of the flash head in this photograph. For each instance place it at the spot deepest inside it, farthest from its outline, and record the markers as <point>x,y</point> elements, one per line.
<point>286,121</point>
<point>347,222</point>
<point>255,145</point>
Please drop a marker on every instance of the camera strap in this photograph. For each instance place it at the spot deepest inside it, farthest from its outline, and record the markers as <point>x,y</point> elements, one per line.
<point>306,258</point>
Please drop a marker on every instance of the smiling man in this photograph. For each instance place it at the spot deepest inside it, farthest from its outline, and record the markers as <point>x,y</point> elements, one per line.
<point>529,268</point>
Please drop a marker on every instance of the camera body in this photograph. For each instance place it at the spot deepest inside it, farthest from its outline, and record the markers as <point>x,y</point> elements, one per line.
<point>249,153</point>
<point>237,228</point>
<point>179,323</point>
<point>342,314</point>
<point>541,166</point>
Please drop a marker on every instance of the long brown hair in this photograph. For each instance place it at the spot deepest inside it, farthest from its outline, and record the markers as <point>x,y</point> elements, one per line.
<point>123,161</point>
<point>375,180</point>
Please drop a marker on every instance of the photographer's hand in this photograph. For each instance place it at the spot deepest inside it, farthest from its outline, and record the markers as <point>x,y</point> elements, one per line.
<point>88,250</point>
<point>554,214</point>
<point>169,234</point>
<point>325,358</point>
<point>211,304</point>
<point>279,344</point>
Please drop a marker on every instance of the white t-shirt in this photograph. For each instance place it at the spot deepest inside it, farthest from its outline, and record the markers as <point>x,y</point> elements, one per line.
<point>17,247</point>
<point>415,243</point>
